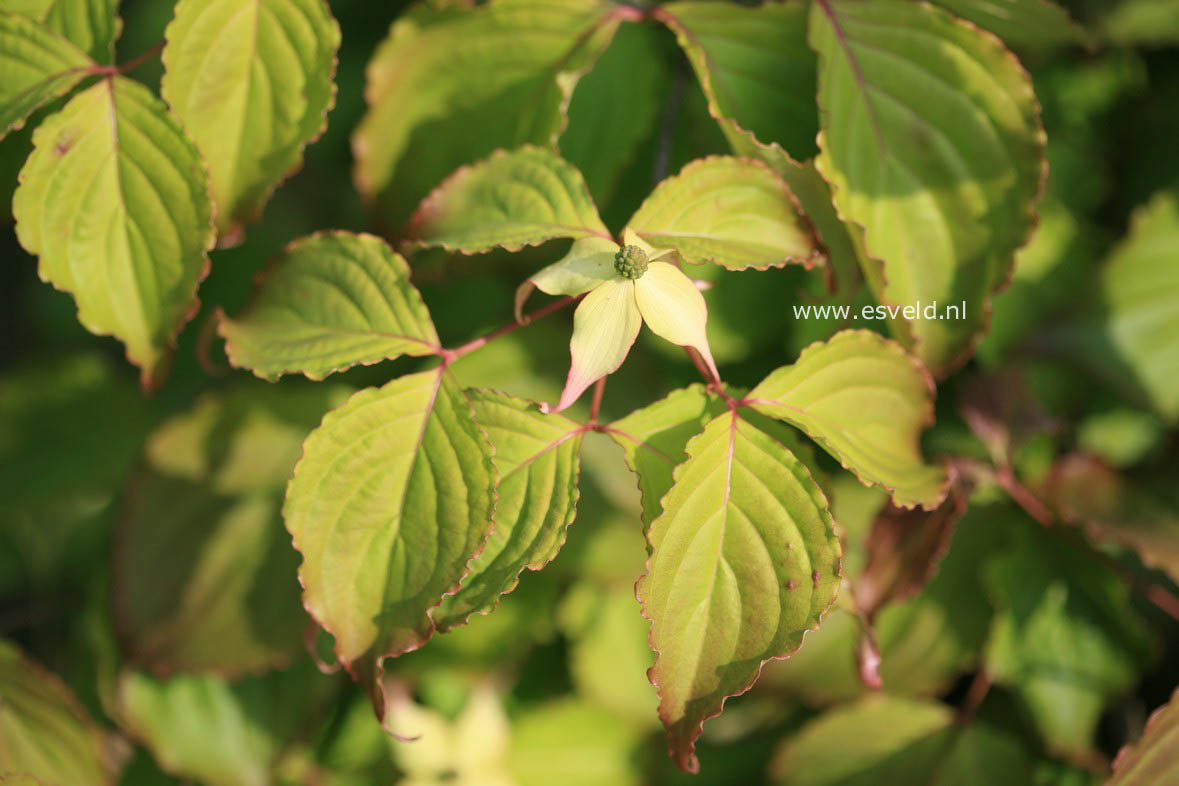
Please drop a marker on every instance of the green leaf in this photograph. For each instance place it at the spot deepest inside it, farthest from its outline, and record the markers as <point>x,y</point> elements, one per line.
<point>1086,491</point>
<point>200,727</point>
<point>574,743</point>
<point>506,69</point>
<point>887,739</point>
<point>734,212</point>
<point>865,401</point>
<point>93,25</point>
<point>654,440</point>
<point>513,199</point>
<point>205,579</point>
<point>44,731</point>
<point>1065,638</point>
<point>131,246</point>
<point>36,66</point>
<point>382,543</point>
<point>537,457</point>
<point>932,143</point>
<point>330,302</point>
<point>252,82</point>
<point>1033,25</point>
<point>1131,338</point>
<point>744,561</point>
<point>1153,758</point>
<point>1142,23</point>
<point>616,108</point>
<point>754,66</point>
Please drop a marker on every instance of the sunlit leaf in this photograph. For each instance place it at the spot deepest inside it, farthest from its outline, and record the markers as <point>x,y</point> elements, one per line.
<point>390,502</point>
<point>44,731</point>
<point>1154,758</point>
<point>331,301</point>
<point>36,66</point>
<point>205,578</point>
<point>537,459</point>
<point>731,211</point>
<point>887,739</point>
<point>932,142</point>
<point>93,25</point>
<point>513,199</point>
<point>252,82</point>
<point>866,402</point>
<point>451,84</point>
<point>744,561</point>
<point>131,247</point>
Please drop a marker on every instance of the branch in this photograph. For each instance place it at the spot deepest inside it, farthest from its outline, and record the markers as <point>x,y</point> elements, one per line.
<point>451,355</point>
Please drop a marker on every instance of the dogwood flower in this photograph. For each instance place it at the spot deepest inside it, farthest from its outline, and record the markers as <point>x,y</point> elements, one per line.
<point>627,285</point>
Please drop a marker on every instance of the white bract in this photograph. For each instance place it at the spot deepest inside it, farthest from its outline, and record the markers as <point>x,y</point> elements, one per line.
<point>625,289</point>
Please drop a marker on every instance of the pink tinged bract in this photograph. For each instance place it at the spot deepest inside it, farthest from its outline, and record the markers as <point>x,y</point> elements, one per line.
<point>674,309</point>
<point>605,326</point>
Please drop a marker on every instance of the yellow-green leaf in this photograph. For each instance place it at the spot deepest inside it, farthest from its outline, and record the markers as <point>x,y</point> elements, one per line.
<point>865,401</point>
<point>731,211</point>
<point>36,66</point>
<point>252,81</point>
<point>330,302</point>
<point>931,141</point>
<point>744,561</point>
<point>114,201</point>
<point>93,25</point>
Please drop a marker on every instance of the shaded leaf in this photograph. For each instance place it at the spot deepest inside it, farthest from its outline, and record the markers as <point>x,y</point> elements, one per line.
<point>131,248</point>
<point>1033,25</point>
<point>754,66</point>
<point>44,731</point>
<point>1065,637</point>
<point>382,542</point>
<point>904,550</point>
<point>932,142</point>
<point>654,440</point>
<point>505,68</point>
<point>201,727</point>
<point>1131,338</point>
<point>865,401</point>
<point>744,561</point>
<point>36,67</point>
<point>204,575</point>
<point>515,198</point>
<point>1086,491</point>
<point>331,301</point>
<point>537,457</point>
<point>93,25</point>
<point>575,744</point>
<point>252,82</point>
<point>731,211</point>
<point>887,739</point>
<point>1154,758</point>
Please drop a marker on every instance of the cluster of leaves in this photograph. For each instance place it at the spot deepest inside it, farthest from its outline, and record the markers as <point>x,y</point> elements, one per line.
<point>980,616</point>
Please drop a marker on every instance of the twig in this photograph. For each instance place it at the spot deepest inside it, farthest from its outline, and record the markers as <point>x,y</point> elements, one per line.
<point>596,406</point>
<point>451,355</point>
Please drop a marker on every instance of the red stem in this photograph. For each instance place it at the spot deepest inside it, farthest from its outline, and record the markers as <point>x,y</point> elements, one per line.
<point>451,355</point>
<point>596,406</point>
<point>131,64</point>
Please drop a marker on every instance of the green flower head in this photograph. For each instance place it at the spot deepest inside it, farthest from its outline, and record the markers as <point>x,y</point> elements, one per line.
<point>631,262</point>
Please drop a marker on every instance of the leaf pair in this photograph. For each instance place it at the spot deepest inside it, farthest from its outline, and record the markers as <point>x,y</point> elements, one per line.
<point>116,198</point>
<point>730,211</point>
<point>744,554</point>
<point>392,503</point>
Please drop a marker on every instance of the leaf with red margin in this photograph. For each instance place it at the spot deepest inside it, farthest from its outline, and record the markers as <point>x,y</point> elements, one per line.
<point>392,499</point>
<point>538,460</point>
<point>744,561</point>
<point>1154,758</point>
<point>44,731</point>
<point>931,141</point>
<point>865,401</point>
